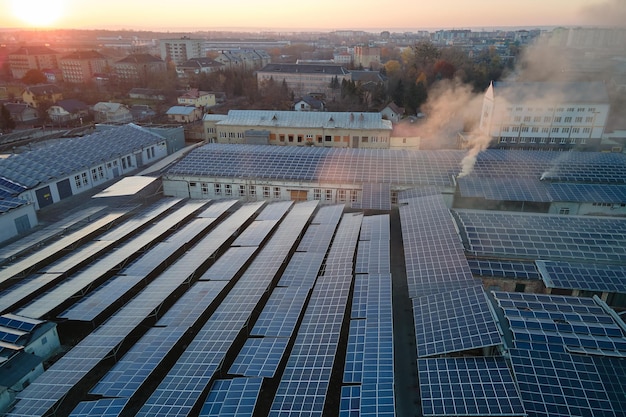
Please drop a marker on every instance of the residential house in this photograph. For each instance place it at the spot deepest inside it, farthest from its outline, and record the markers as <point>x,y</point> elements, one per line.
<point>68,111</point>
<point>393,112</point>
<point>36,95</point>
<point>309,103</point>
<point>305,79</point>
<point>22,113</point>
<point>197,66</point>
<point>82,66</point>
<point>142,112</point>
<point>197,98</point>
<point>137,68</point>
<point>184,114</point>
<point>107,112</point>
<point>27,58</point>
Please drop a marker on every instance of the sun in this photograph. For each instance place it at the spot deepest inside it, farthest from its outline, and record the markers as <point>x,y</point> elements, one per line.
<point>38,13</point>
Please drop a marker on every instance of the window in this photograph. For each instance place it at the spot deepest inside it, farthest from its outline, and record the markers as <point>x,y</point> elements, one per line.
<point>515,128</point>
<point>252,190</point>
<point>84,178</point>
<point>228,189</point>
<point>204,188</point>
<point>505,129</point>
<point>575,130</point>
<point>77,181</point>
<point>300,138</point>
<point>535,130</point>
<point>520,287</point>
<point>545,129</point>
<point>290,138</point>
<point>579,119</point>
<point>537,119</point>
<point>364,139</point>
<point>522,140</point>
<point>276,192</point>
<point>586,130</point>
<point>525,129</point>
<point>94,174</point>
<point>542,140</point>
<point>555,130</point>
<point>517,118</point>
<point>527,119</point>
<point>591,109</point>
<point>266,191</point>
<point>568,120</point>
<point>547,119</point>
<point>101,172</point>
<point>242,190</point>
<point>317,194</point>
<point>394,197</point>
<point>560,109</point>
<point>217,188</point>
<point>354,196</point>
<point>552,140</point>
<point>563,141</point>
<point>564,210</point>
<point>341,196</point>
<point>565,130</point>
<point>128,161</point>
<point>580,109</point>
<point>502,139</point>
<point>329,195</point>
<point>533,140</point>
<point>513,140</point>
<point>281,138</point>
<point>570,109</point>
<point>123,163</point>
<point>572,141</point>
<point>557,120</point>
<point>328,138</point>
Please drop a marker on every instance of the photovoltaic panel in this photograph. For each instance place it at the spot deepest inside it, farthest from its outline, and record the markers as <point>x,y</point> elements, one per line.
<point>376,196</point>
<point>317,238</point>
<point>227,265</point>
<point>434,256</point>
<point>350,404</point>
<point>13,321</point>
<point>255,233</point>
<point>468,386</point>
<point>554,384</point>
<point>328,214</point>
<point>259,357</point>
<point>43,393</point>
<point>274,211</point>
<point>302,269</point>
<point>181,388</point>
<point>217,208</point>
<point>232,397</point>
<point>353,370</point>
<point>561,324</point>
<point>281,312</point>
<point>580,276</point>
<point>544,236</point>
<point>453,322</point>
<point>504,269</point>
<point>105,407</point>
<point>612,371</point>
<point>359,297</point>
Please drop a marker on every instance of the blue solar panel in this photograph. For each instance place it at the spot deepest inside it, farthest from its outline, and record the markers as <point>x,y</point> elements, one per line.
<point>468,387</point>
<point>106,407</point>
<point>578,276</point>
<point>233,397</point>
<point>554,384</point>
<point>16,322</point>
<point>350,405</point>
<point>504,269</point>
<point>353,369</point>
<point>612,371</point>
<point>259,357</point>
<point>433,252</point>
<point>281,312</point>
<point>453,322</point>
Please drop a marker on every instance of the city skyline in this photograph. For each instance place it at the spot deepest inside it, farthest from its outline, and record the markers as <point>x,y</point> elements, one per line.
<point>322,15</point>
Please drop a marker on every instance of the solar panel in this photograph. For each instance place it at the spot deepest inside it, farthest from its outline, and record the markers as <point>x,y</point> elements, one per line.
<point>350,404</point>
<point>259,357</point>
<point>561,324</point>
<point>232,397</point>
<point>579,276</point>
<point>353,369</point>
<point>302,269</point>
<point>468,386</point>
<point>105,407</point>
<point>13,321</point>
<point>612,371</point>
<point>433,252</point>
<point>544,236</point>
<point>454,322</point>
<point>227,265</point>
<point>376,196</point>
<point>281,312</point>
<point>504,269</point>
<point>554,384</point>
<point>255,233</point>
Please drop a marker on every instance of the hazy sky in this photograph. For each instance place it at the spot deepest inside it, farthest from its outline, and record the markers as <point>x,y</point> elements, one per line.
<point>290,14</point>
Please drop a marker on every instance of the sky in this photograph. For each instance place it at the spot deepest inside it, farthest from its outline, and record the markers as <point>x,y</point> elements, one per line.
<point>293,15</point>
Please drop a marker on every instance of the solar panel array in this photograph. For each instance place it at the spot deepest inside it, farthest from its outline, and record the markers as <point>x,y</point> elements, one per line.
<point>468,386</point>
<point>580,276</point>
<point>434,257</point>
<point>232,397</point>
<point>375,196</point>
<point>544,236</point>
<point>454,321</point>
<point>181,389</point>
<point>304,384</point>
<point>369,352</point>
<point>47,390</point>
<point>562,324</point>
<point>556,384</point>
<point>281,312</point>
<point>504,269</point>
<point>80,282</point>
<point>533,189</point>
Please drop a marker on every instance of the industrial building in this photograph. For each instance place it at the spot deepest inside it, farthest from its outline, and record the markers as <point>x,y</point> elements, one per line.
<point>462,295</point>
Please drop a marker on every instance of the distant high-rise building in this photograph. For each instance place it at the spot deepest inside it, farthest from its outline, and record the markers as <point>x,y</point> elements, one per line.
<point>181,50</point>
<point>32,57</point>
<point>81,66</point>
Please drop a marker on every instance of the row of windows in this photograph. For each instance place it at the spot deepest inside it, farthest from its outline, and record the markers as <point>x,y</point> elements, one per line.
<point>550,119</point>
<point>557,109</point>
<point>561,141</point>
<point>243,190</point>
<point>535,129</point>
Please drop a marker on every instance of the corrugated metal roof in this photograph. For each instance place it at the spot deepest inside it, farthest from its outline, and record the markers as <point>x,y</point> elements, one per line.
<point>326,120</point>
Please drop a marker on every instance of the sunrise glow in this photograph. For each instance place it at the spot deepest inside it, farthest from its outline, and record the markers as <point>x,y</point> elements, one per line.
<point>38,13</point>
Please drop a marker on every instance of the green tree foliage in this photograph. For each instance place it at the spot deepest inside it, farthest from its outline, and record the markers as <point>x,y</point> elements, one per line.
<point>7,124</point>
<point>34,76</point>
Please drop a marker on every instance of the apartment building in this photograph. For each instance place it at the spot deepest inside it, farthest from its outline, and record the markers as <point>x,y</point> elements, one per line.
<point>180,50</point>
<point>82,66</point>
<point>27,58</point>
<point>550,115</point>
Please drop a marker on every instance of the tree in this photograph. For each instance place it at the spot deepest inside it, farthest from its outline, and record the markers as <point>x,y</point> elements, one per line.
<point>398,94</point>
<point>443,69</point>
<point>7,123</point>
<point>393,68</point>
<point>34,76</point>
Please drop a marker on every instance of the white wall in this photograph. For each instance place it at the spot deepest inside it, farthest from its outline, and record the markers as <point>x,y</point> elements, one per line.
<point>7,220</point>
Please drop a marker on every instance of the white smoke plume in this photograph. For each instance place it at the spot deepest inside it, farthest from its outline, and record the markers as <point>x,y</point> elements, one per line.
<point>611,13</point>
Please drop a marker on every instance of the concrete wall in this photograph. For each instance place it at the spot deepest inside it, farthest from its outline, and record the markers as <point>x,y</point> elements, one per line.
<point>8,228</point>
